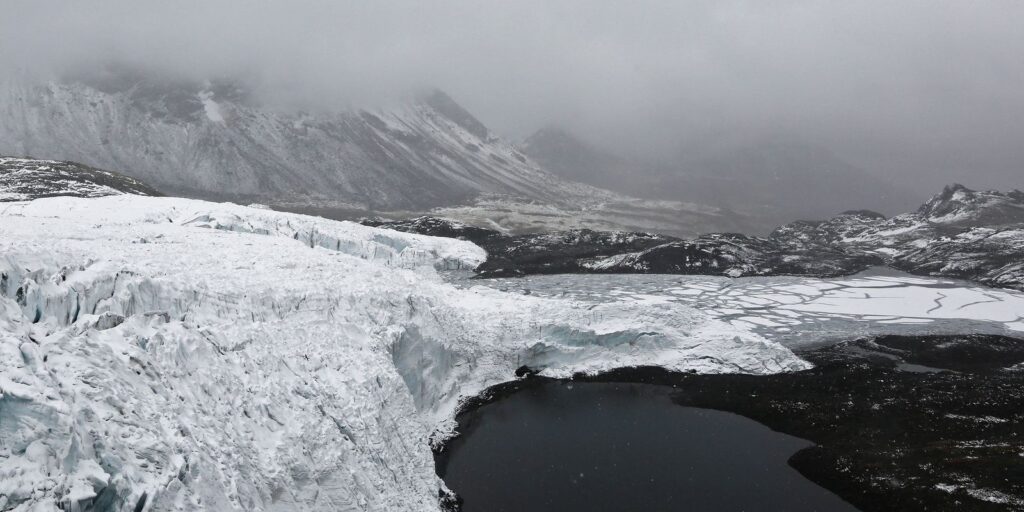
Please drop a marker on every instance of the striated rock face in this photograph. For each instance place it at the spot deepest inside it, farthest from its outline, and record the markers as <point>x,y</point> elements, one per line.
<point>215,140</point>
<point>25,178</point>
<point>168,354</point>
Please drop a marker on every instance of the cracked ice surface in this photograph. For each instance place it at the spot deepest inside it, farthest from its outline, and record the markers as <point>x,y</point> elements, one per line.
<point>187,355</point>
<point>797,310</point>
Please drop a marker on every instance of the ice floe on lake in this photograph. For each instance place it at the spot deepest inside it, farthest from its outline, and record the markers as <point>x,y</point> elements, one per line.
<point>800,310</point>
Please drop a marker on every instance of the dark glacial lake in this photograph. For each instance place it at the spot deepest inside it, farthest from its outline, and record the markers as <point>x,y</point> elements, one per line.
<point>572,446</point>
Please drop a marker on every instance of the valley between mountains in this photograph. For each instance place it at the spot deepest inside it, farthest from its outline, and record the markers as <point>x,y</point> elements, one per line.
<point>164,353</point>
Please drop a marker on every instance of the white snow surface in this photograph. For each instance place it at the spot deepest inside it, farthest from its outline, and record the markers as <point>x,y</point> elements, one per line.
<point>211,107</point>
<point>187,355</point>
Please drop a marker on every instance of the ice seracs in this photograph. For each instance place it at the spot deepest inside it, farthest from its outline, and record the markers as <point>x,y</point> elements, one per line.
<point>171,354</point>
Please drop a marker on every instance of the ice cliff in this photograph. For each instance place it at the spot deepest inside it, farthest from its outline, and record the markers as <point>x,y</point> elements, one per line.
<point>171,354</point>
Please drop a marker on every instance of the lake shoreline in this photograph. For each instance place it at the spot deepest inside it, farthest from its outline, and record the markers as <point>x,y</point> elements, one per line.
<point>898,423</point>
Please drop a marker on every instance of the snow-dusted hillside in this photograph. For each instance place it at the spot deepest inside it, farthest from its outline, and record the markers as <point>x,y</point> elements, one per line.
<point>22,179</point>
<point>215,140</point>
<point>959,205</point>
<point>962,233</point>
<point>172,354</point>
<point>959,233</point>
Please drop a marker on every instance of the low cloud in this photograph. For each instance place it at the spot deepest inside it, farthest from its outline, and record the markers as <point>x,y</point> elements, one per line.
<point>928,91</point>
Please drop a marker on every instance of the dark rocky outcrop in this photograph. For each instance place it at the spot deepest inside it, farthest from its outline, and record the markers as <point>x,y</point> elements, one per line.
<point>433,226</point>
<point>24,179</point>
<point>959,233</point>
<point>898,423</point>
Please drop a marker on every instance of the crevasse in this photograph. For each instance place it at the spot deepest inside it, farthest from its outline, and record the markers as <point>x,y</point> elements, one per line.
<point>170,354</point>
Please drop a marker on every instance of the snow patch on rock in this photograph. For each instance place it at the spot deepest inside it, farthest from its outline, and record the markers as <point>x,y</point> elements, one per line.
<point>211,108</point>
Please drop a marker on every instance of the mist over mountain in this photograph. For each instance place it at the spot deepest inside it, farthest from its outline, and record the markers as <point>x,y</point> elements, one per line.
<point>220,139</point>
<point>566,155</point>
<point>924,93</point>
<point>775,179</point>
<point>214,139</point>
<point>770,112</point>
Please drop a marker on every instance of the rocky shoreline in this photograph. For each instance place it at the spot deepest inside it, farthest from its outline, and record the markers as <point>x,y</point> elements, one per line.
<point>899,423</point>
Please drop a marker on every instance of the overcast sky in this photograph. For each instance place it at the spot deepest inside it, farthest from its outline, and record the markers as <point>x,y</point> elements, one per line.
<point>928,90</point>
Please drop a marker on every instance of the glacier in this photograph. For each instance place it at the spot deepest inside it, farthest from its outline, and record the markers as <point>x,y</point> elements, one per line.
<point>174,354</point>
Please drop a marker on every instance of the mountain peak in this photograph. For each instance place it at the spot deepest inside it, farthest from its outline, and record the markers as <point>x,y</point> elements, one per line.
<point>552,134</point>
<point>950,190</point>
<point>443,104</point>
<point>957,203</point>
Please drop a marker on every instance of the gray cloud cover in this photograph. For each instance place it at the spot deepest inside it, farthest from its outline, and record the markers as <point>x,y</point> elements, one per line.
<point>926,90</point>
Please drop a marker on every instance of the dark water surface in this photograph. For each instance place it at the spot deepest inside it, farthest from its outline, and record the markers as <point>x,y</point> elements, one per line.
<point>576,446</point>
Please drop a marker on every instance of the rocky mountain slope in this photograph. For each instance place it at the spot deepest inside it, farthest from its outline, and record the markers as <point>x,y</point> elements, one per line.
<point>217,140</point>
<point>25,178</point>
<point>962,233</point>
<point>959,233</point>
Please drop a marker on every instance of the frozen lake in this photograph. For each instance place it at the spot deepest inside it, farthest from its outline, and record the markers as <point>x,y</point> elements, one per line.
<point>798,311</point>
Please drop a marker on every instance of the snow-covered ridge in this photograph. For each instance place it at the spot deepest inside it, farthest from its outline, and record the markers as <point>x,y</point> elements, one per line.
<point>160,354</point>
<point>197,139</point>
<point>961,233</point>
<point>957,203</point>
<point>23,179</point>
<point>201,139</point>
